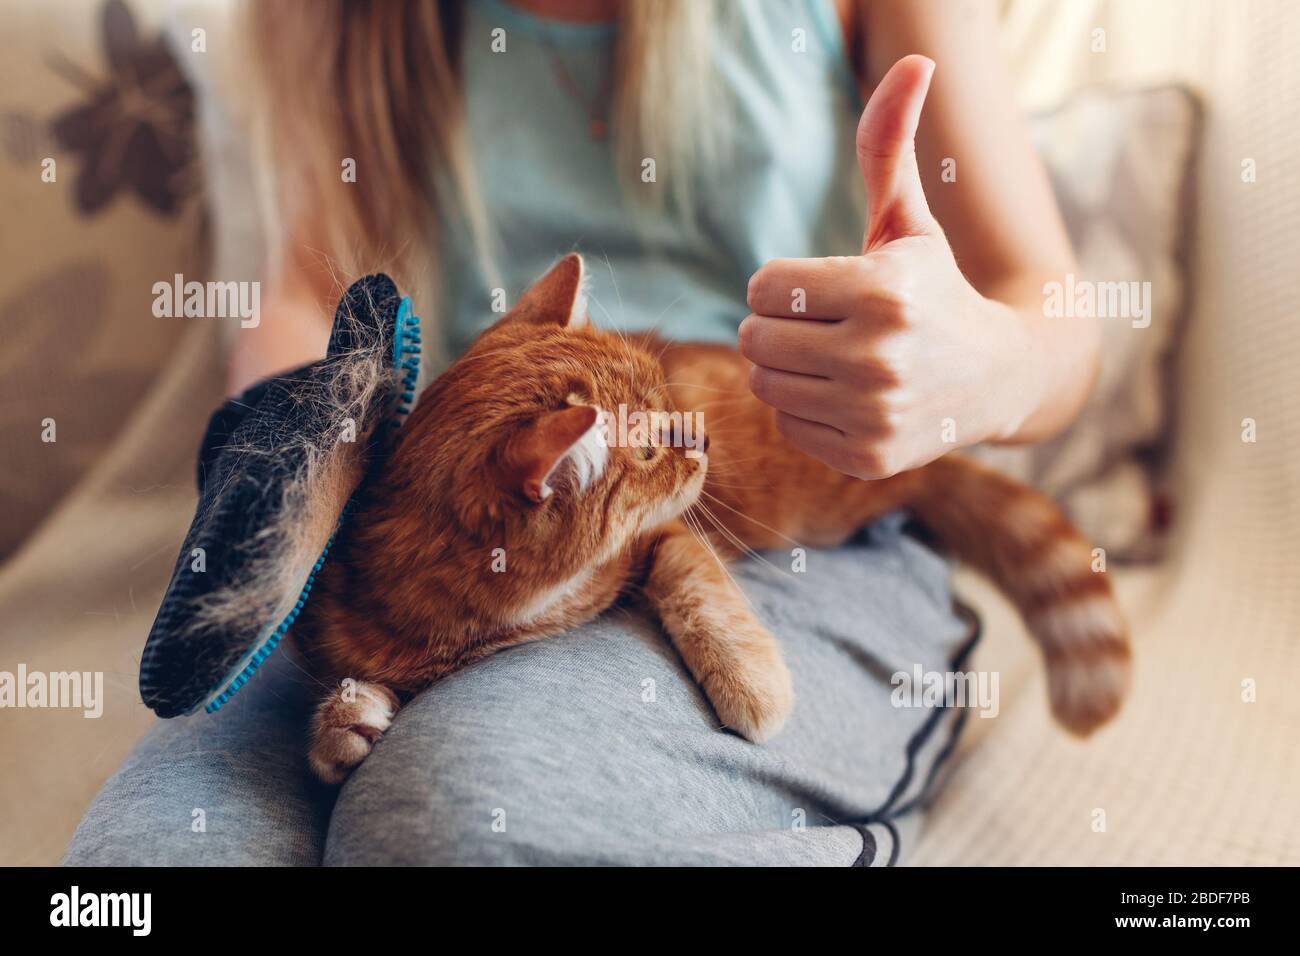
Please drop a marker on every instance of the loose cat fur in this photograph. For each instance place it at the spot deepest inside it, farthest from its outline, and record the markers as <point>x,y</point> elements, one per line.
<point>504,451</point>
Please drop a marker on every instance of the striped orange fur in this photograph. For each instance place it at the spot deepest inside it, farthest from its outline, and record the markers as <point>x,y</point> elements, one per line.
<point>496,520</point>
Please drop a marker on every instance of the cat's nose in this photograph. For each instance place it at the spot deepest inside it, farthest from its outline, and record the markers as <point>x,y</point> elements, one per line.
<point>705,446</point>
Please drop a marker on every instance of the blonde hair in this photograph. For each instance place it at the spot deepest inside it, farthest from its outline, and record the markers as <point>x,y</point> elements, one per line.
<point>377,82</point>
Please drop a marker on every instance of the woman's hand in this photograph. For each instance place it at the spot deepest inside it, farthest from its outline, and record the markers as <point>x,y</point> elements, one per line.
<point>885,361</point>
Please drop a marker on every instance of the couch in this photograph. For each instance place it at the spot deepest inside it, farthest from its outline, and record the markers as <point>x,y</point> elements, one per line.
<point>1201,768</point>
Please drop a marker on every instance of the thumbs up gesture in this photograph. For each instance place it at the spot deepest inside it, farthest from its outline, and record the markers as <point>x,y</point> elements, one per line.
<point>881,362</point>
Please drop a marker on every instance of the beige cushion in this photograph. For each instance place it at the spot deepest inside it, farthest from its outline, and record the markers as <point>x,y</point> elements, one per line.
<point>1120,163</point>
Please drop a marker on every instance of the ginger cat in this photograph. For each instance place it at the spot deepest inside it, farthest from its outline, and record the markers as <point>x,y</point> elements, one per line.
<point>508,449</point>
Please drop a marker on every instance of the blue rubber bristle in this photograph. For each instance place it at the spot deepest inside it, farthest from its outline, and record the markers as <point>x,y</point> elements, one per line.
<point>406,349</point>
<point>406,346</point>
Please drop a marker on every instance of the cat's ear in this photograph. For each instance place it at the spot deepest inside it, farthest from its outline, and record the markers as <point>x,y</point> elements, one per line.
<point>535,454</point>
<point>556,298</point>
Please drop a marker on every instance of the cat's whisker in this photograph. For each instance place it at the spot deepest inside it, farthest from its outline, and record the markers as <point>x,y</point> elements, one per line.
<point>613,279</point>
<point>694,524</point>
<point>695,529</point>
<point>703,511</point>
<point>731,485</point>
<point>735,539</point>
<point>614,326</point>
<point>718,401</point>
<point>704,540</point>
<point>714,425</point>
<point>707,388</point>
<point>654,326</point>
<point>619,328</point>
<point>327,687</point>
<point>742,514</point>
<point>668,343</point>
<point>729,465</point>
<point>725,465</point>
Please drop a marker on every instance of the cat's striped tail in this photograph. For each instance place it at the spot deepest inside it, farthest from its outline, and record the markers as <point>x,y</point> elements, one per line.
<point>1028,548</point>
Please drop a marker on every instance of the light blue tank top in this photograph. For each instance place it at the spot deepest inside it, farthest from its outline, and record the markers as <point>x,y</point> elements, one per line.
<point>790,187</point>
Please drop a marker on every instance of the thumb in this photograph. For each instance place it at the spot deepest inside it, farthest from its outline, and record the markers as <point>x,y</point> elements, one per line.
<point>887,154</point>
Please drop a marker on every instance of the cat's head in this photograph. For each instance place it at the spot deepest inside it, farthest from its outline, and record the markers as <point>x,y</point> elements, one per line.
<point>560,435</point>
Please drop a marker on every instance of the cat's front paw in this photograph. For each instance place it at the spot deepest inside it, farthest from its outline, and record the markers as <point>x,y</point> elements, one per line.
<point>753,694</point>
<point>346,725</point>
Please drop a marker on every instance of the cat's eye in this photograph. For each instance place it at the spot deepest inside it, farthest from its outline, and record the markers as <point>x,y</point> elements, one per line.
<point>644,452</point>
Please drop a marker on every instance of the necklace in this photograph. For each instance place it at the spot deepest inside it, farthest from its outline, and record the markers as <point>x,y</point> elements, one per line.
<point>597,110</point>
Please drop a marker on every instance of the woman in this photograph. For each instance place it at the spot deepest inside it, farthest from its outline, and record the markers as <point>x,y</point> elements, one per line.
<point>705,157</point>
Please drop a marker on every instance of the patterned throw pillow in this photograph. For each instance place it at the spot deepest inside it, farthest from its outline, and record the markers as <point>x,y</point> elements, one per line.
<point>102,198</point>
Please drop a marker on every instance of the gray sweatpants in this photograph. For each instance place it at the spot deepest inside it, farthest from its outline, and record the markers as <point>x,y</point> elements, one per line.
<point>595,747</point>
